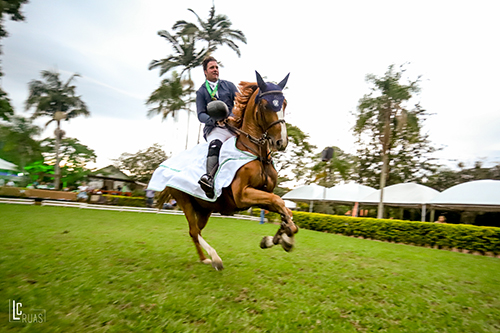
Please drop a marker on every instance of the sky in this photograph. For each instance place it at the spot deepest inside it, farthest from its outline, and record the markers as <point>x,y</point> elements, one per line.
<point>328,47</point>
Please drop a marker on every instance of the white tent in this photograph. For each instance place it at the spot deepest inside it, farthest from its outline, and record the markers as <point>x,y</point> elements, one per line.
<point>306,193</point>
<point>409,195</point>
<point>478,195</point>
<point>290,204</point>
<point>4,165</point>
<point>348,193</point>
<point>403,195</point>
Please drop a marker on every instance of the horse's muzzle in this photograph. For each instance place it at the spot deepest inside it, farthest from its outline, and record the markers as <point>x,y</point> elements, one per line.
<point>281,144</point>
<point>278,145</point>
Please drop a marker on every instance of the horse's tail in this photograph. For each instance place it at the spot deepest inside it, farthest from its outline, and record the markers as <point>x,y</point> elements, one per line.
<point>164,196</point>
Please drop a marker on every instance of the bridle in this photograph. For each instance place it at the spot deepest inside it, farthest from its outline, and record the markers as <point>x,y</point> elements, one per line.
<point>263,141</point>
<point>264,153</point>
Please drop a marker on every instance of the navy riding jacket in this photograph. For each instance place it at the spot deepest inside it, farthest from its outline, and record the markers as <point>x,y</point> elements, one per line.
<point>226,91</point>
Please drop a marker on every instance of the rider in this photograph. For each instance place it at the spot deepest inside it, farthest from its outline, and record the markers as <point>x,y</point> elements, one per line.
<point>215,133</point>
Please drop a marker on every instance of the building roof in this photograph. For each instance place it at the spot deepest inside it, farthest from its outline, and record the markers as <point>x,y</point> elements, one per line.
<point>110,172</point>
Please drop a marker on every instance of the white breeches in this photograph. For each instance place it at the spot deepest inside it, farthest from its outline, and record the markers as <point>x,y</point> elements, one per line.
<point>221,134</point>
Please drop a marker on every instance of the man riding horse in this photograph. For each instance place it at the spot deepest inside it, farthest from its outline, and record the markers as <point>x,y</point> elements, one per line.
<point>215,132</point>
<point>243,140</point>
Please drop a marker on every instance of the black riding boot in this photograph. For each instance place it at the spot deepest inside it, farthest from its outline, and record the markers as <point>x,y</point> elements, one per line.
<point>207,180</point>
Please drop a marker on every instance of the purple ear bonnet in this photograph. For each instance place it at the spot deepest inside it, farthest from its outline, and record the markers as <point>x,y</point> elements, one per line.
<point>272,93</point>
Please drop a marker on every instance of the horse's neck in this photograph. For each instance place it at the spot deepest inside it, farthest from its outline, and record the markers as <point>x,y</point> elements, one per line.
<point>250,125</point>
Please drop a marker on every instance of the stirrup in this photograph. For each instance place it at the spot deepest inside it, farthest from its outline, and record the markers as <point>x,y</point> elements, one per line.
<point>207,185</point>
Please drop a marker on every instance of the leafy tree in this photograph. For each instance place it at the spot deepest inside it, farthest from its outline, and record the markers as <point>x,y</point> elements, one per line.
<point>12,10</point>
<point>38,170</point>
<point>74,157</point>
<point>6,109</point>
<point>142,164</point>
<point>17,141</point>
<point>292,163</point>
<point>445,178</point>
<point>332,172</point>
<point>57,100</point>
<point>388,132</point>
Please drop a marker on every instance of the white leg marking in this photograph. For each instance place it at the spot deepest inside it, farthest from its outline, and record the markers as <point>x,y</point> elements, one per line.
<point>284,135</point>
<point>216,260</point>
<point>267,242</point>
<point>287,242</point>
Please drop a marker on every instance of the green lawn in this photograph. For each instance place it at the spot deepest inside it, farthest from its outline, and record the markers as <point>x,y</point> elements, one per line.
<point>99,271</point>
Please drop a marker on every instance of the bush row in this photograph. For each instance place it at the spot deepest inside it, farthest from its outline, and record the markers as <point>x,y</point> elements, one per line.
<point>460,236</point>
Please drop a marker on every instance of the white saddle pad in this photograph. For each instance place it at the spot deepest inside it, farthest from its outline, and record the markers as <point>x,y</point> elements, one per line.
<point>183,170</point>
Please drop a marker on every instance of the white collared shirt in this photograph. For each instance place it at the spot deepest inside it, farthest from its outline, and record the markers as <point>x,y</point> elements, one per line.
<point>213,85</point>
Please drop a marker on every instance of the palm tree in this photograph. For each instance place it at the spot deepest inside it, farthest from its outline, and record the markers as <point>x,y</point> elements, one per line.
<point>57,100</point>
<point>173,95</point>
<point>185,54</point>
<point>216,30</point>
<point>386,117</point>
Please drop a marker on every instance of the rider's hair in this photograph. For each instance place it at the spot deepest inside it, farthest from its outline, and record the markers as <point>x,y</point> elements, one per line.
<point>206,61</point>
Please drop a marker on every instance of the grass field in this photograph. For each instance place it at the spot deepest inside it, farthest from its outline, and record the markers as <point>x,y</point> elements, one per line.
<point>99,271</point>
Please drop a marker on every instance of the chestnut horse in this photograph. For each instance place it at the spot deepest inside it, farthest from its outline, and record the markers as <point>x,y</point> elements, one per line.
<point>260,129</point>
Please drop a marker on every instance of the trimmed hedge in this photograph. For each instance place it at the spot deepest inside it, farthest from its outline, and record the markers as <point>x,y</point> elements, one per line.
<point>460,236</point>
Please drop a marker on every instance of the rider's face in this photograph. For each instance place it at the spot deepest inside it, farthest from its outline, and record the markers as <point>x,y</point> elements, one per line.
<point>212,72</point>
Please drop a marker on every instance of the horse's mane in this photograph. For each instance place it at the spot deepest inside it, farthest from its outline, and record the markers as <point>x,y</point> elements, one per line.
<point>246,90</point>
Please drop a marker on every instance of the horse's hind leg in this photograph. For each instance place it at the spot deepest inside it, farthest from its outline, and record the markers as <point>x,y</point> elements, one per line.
<point>197,219</point>
<point>202,219</point>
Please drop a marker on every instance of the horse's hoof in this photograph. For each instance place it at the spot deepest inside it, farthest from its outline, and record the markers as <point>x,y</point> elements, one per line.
<point>287,242</point>
<point>277,239</point>
<point>207,261</point>
<point>266,242</point>
<point>217,264</point>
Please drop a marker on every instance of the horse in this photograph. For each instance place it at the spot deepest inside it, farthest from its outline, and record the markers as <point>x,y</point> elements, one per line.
<point>260,129</point>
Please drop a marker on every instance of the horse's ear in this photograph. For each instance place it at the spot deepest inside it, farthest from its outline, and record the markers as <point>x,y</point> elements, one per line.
<point>282,84</point>
<point>260,82</point>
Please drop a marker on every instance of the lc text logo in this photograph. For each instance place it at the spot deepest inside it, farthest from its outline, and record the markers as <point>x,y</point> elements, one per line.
<point>17,314</point>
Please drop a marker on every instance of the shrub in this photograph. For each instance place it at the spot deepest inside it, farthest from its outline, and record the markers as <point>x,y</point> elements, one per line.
<point>460,236</point>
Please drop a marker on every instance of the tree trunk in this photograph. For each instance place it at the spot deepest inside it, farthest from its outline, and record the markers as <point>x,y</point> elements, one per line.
<point>57,169</point>
<point>386,141</point>
<point>385,161</point>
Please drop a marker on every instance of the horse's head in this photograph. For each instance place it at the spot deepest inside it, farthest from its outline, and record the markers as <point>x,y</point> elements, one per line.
<point>270,112</point>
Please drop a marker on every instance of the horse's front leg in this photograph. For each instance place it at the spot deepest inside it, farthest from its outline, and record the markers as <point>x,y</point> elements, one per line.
<point>253,197</point>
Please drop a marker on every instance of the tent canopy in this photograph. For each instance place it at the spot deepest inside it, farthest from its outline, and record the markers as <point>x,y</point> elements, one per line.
<point>306,193</point>
<point>4,165</point>
<point>403,195</point>
<point>348,193</point>
<point>478,195</point>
